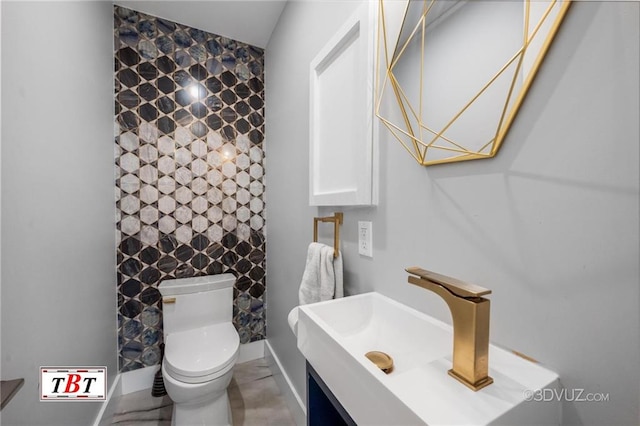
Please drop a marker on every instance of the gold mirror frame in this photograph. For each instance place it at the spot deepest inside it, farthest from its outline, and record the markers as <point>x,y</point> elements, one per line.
<point>429,144</point>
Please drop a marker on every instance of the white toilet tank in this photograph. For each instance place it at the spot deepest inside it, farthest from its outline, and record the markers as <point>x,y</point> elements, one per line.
<point>189,303</point>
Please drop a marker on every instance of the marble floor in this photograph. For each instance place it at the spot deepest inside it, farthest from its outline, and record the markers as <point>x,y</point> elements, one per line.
<point>255,400</point>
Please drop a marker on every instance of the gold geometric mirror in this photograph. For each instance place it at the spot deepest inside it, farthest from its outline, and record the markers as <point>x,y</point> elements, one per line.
<point>451,75</point>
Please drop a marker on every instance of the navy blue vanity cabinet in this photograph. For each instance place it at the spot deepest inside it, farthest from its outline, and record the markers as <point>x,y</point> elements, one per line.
<point>323,408</point>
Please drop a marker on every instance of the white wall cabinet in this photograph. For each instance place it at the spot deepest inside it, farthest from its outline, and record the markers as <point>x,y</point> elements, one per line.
<point>343,135</point>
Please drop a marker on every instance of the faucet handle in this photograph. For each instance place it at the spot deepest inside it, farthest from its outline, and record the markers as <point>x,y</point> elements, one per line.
<point>457,287</point>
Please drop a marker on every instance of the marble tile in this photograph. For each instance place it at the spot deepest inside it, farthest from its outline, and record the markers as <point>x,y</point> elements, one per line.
<point>140,408</point>
<point>189,109</point>
<point>253,394</point>
<point>255,397</point>
<point>251,371</point>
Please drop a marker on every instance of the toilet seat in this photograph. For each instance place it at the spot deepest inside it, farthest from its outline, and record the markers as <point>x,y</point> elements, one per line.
<point>201,354</point>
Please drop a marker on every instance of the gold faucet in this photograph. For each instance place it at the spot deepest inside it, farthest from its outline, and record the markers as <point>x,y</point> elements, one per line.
<point>470,312</point>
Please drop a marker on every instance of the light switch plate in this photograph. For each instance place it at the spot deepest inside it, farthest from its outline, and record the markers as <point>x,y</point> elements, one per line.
<point>365,239</point>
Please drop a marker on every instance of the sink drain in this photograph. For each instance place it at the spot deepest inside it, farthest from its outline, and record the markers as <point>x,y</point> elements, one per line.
<point>383,361</point>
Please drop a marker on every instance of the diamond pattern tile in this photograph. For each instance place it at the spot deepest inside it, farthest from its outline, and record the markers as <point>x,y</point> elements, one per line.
<point>149,215</point>
<point>148,194</point>
<point>130,204</point>
<point>166,224</point>
<point>148,153</point>
<point>199,186</point>
<point>183,195</point>
<point>166,145</point>
<point>129,183</point>
<point>199,205</point>
<point>189,173</point>
<point>243,179</point>
<point>243,196</point>
<point>129,162</point>
<point>214,214</point>
<point>149,235</point>
<point>129,141</point>
<point>167,205</point>
<point>148,174</point>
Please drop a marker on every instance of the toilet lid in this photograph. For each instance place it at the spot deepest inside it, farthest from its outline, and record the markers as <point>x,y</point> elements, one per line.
<point>202,351</point>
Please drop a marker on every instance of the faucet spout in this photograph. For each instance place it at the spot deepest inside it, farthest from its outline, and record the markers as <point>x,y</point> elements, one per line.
<point>470,313</point>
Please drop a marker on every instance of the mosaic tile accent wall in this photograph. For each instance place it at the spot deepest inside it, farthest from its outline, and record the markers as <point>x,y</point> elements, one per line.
<point>190,179</point>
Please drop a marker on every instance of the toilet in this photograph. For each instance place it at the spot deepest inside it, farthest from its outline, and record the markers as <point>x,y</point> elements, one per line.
<point>201,348</point>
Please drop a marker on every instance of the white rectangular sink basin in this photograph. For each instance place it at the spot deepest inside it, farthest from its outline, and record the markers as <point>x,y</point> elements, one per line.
<point>335,335</point>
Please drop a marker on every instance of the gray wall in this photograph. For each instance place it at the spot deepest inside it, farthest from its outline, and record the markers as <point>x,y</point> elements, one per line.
<point>550,224</point>
<point>303,29</point>
<point>58,209</point>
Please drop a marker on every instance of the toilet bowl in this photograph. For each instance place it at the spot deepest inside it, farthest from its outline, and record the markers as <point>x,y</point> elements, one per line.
<point>201,348</point>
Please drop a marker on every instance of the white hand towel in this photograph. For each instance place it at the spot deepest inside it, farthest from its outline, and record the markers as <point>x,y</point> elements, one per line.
<point>322,277</point>
<point>321,280</point>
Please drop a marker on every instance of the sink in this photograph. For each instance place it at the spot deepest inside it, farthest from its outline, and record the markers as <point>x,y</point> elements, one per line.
<point>334,337</point>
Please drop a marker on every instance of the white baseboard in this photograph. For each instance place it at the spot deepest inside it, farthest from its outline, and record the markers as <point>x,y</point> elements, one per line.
<point>251,351</point>
<point>137,380</point>
<point>291,395</point>
<point>108,409</point>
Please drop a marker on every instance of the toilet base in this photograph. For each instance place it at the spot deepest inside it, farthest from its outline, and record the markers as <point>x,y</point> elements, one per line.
<point>213,412</point>
<point>199,404</point>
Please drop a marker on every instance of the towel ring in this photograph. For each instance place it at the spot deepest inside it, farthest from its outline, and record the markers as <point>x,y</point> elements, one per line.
<point>337,219</point>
